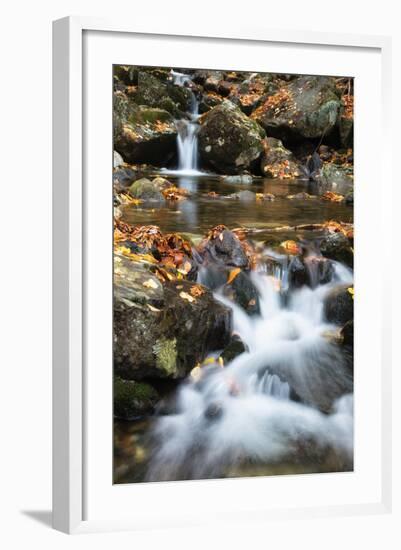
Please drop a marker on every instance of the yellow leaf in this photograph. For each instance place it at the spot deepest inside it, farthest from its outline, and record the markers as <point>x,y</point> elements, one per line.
<point>186,296</point>
<point>233,274</point>
<point>290,246</point>
<point>150,283</point>
<point>351,291</point>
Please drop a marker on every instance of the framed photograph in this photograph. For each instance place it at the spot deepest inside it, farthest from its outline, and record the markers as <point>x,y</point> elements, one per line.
<point>220,340</point>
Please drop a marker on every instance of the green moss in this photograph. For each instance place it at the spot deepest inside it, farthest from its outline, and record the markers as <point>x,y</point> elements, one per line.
<point>166,355</point>
<point>132,398</point>
<point>143,115</point>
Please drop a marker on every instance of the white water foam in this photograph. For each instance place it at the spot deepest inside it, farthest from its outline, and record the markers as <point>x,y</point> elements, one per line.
<point>243,412</point>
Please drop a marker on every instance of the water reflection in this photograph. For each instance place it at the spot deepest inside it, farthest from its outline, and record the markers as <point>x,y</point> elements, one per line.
<point>201,211</point>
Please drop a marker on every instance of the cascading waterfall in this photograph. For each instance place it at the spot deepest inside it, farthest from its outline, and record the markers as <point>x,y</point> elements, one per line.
<point>245,411</point>
<point>187,138</point>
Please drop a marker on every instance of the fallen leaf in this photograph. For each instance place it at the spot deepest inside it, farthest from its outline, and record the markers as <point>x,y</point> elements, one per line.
<point>351,291</point>
<point>150,283</point>
<point>332,197</point>
<point>291,247</point>
<point>186,296</point>
<point>197,290</point>
<point>233,274</point>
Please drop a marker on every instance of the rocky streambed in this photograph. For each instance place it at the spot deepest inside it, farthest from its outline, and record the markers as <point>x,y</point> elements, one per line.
<point>233,283</point>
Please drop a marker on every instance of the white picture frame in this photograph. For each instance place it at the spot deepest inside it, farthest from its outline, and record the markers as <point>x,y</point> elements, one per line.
<point>70,421</point>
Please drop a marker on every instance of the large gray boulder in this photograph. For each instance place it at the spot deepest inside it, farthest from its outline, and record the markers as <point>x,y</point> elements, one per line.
<point>307,107</point>
<point>229,141</point>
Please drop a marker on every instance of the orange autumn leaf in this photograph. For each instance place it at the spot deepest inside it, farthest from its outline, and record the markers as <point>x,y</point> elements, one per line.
<point>197,290</point>
<point>291,247</point>
<point>233,273</point>
<point>333,197</point>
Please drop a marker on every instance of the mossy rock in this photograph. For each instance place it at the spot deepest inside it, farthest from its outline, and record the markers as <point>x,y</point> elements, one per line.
<point>132,399</point>
<point>229,141</point>
<point>143,134</point>
<point>155,93</point>
<point>146,190</point>
<point>143,115</point>
<point>160,333</point>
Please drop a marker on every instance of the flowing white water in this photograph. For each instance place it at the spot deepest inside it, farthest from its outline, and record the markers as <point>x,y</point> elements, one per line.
<point>187,137</point>
<point>243,412</point>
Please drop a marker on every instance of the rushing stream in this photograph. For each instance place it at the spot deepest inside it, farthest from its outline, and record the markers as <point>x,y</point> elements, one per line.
<point>247,417</point>
<point>243,412</point>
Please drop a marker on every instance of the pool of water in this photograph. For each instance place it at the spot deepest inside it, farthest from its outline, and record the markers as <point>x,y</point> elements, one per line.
<point>200,212</point>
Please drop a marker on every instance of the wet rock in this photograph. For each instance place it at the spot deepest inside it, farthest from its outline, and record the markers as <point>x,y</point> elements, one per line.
<point>213,80</point>
<point>234,348</point>
<point>117,160</point>
<point>154,92</point>
<point>243,292</point>
<point>335,177</point>
<point>214,411</point>
<point>143,134</point>
<point>277,161</point>
<point>252,91</point>
<point>208,101</point>
<point>243,179</point>
<point>122,178</point>
<point>349,198</point>
<point>297,273</point>
<point>346,126</point>
<point>224,248</point>
<point>347,332</point>
<point>337,246</point>
<point>228,140</point>
<point>212,275</point>
<point>307,107</point>
<point>320,270</point>
<point>134,284</point>
<point>246,196</point>
<point>146,190</point>
<point>200,76</point>
<point>339,305</point>
<point>133,399</point>
<point>162,183</point>
<point>160,331</point>
<point>310,270</point>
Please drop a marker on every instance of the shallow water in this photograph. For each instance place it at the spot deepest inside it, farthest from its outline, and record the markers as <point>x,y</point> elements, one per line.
<point>199,212</point>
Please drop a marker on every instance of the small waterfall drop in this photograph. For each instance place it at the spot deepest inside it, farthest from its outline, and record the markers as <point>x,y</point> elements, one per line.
<point>187,138</point>
<point>245,410</point>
